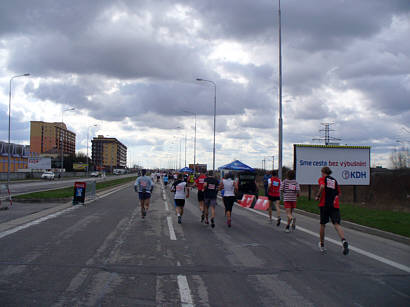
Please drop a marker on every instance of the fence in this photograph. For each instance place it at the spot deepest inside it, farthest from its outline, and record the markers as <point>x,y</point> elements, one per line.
<point>90,189</point>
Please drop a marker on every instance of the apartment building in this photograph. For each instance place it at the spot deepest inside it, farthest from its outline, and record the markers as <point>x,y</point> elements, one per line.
<point>108,153</point>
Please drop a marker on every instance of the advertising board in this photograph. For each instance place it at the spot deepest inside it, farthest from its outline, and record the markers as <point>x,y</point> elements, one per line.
<point>350,165</point>
<point>39,163</point>
<point>80,166</point>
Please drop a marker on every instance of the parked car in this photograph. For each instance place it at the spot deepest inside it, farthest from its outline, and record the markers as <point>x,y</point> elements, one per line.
<point>94,174</point>
<point>48,175</point>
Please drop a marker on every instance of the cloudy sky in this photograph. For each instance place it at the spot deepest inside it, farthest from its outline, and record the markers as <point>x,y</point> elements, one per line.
<point>130,67</point>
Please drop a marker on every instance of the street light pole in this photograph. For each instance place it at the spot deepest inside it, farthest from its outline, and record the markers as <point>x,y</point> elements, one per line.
<point>280,99</point>
<point>88,132</point>
<point>194,113</point>
<point>214,84</point>
<point>9,145</point>
<point>61,139</point>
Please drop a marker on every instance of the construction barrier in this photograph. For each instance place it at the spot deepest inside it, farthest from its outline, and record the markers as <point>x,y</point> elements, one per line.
<point>247,201</point>
<point>262,203</point>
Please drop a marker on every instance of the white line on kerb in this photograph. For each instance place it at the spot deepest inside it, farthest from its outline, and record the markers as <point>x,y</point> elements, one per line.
<point>184,291</point>
<point>171,228</point>
<point>357,250</point>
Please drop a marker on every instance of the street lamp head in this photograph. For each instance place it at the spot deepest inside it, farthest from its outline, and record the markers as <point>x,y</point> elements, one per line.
<point>26,75</point>
<point>199,79</point>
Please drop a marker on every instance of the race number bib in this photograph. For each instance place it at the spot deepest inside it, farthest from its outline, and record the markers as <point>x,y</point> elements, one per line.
<point>211,187</point>
<point>331,184</point>
<point>275,184</point>
<point>292,187</point>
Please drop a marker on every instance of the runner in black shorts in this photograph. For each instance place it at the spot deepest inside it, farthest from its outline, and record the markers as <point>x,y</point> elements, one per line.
<point>328,195</point>
<point>199,182</point>
<point>229,186</point>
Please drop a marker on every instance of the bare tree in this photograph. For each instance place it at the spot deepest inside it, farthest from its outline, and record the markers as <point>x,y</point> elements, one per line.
<point>400,158</point>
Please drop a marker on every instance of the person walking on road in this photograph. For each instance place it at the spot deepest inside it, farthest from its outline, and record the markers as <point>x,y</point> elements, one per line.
<point>274,196</point>
<point>210,193</point>
<point>290,189</point>
<point>181,190</point>
<point>229,186</point>
<point>328,197</point>
<point>144,186</point>
<point>266,182</point>
<point>165,179</point>
<point>199,182</point>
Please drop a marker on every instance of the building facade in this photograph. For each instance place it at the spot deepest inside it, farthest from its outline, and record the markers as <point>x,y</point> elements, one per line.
<point>50,138</point>
<point>19,155</point>
<point>108,153</point>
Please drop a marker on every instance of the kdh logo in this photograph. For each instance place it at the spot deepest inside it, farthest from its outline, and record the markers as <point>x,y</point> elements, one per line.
<point>346,175</point>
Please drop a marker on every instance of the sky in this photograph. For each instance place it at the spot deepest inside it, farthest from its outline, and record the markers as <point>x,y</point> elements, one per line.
<point>130,67</point>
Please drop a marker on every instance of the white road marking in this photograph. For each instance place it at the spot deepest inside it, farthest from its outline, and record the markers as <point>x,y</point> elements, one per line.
<point>356,249</point>
<point>171,229</point>
<point>35,222</point>
<point>53,215</point>
<point>166,205</point>
<point>184,291</point>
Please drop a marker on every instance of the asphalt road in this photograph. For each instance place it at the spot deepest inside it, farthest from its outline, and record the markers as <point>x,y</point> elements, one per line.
<point>106,255</point>
<point>36,186</point>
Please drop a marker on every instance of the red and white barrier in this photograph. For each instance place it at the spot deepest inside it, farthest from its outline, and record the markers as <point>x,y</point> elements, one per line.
<point>262,203</point>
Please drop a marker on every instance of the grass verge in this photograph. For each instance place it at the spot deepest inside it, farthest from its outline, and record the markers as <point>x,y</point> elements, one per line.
<point>395,222</point>
<point>68,192</point>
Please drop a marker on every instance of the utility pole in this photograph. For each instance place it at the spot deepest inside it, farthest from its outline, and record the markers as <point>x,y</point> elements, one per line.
<point>280,98</point>
<point>329,140</point>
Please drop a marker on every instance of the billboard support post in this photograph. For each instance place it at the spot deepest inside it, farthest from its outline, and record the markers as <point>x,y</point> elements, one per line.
<point>355,194</point>
<point>310,192</point>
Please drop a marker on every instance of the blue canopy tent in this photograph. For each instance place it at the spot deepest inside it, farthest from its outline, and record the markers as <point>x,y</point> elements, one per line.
<point>186,170</point>
<point>236,166</point>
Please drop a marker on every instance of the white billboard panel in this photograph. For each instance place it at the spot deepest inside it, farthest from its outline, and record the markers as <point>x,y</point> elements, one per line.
<point>39,163</point>
<point>350,165</point>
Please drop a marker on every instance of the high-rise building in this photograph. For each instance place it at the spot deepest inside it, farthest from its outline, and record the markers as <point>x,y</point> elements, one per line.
<point>50,138</point>
<point>108,153</point>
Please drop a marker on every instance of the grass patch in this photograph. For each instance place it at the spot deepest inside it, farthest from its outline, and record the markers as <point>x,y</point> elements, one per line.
<point>395,222</point>
<point>68,192</point>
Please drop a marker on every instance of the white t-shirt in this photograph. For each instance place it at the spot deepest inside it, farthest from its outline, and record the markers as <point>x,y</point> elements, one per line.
<point>180,190</point>
<point>229,188</point>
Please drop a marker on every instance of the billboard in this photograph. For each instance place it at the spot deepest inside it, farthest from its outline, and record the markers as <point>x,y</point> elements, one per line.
<point>200,168</point>
<point>39,163</point>
<point>80,166</point>
<point>350,165</point>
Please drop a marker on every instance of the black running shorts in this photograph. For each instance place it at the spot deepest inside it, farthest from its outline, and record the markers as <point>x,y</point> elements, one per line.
<point>327,213</point>
<point>273,198</point>
<point>229,202</point>
<point>179,202</point>
<point>201,195</point>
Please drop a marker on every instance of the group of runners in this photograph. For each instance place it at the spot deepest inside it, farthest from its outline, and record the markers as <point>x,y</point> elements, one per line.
<point>208,187</point>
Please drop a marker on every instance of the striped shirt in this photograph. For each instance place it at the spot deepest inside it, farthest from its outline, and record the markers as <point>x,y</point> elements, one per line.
<point>290,189</point>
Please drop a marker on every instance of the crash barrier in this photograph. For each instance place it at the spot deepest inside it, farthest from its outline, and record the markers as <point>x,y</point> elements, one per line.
<point>248,201</point>
<point>90,189</point>
<point>5,198</point>
<point>262,203</point>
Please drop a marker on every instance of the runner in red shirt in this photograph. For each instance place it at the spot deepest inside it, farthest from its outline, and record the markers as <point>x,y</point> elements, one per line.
<point>199,183</point>
<point>274,196</point>
<point>328,197</point>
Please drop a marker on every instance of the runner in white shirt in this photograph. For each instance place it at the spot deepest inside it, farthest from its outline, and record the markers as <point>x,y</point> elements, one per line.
<point>229,186</point>
<point>179,187</point>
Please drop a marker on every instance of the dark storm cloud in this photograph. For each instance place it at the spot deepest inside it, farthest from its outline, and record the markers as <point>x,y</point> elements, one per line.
<point>136,61</point>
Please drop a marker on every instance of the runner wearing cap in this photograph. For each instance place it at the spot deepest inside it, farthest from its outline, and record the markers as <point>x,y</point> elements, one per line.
<point>328,197</point>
